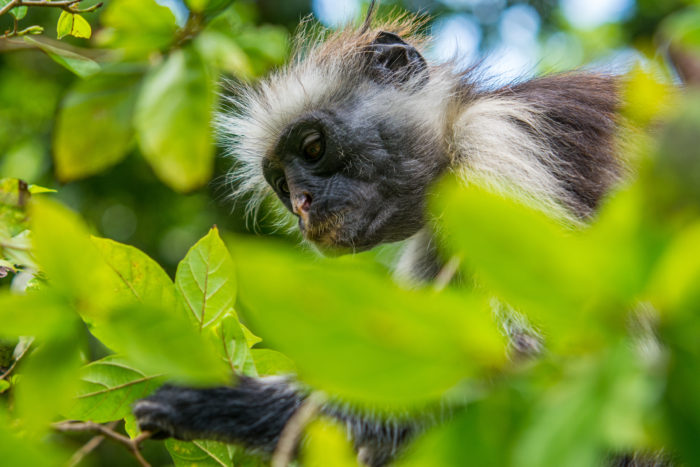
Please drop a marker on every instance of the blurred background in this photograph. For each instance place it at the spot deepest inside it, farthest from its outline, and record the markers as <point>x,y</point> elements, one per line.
<point>119,178</point>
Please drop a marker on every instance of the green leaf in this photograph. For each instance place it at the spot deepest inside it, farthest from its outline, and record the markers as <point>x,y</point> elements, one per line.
<point>4,385</point>
<point>108,389</point>
<point>558,277</point>
<point>157,340</point>
<point>231,343</point>
<point>173,120</point>
<point>18,450</point>
<point>17,12</point>
<point>56,360</point>
<point>137,27</point>
<point>206,279</point>
<point>271,362</point>
<point>81,28</point>
<point>380,344</point>
<point>199,453</point>
<point>141,279</point>
<point>101,107</point>
<point>70,259</point>
<point>38,313</point>
<point>64,25</point>
<point>599,406</point>
<point>222,50</point>
<point>326,444</point>
<point>78,64</point>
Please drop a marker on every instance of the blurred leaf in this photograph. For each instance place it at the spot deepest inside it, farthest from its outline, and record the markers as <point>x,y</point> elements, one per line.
<point>225,53</point>
<point>326,445</point>
<point>173,120</point>
<point>20,451</point>
<point>163,341</point>
<point>379,343</point>
<point>683,386</point>
<point>209,7</point>
<point>529,260</point>
<point>674,286</point>
<point>480,434</point>
<point>598,406</point>
<point>4,385</point>
<point>108,389</point>
<point>49,379</point>
<point>206,279</point>
<point>683,27</point>
<point>199,453</point>
<point>70,260</point>
<point>101,107</point>
<point>40,314</point>
<point>137,27</point>
<point>646,98</point>
<point>271,362</point>
<point>78,64</point>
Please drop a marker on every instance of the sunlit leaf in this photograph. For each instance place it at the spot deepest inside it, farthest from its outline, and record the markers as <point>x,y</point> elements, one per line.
<point>206,279</point>
<point>78,64</point>
<point>64,25</point>
<point>173,120</point>
<point>326,445</point>
<point>40,314</point>
<point>108,389</point>
<point>101,107</point>
<point>81,28</point>
<point>199,453</point>
<point>379,343</point>
<point>224,51</point>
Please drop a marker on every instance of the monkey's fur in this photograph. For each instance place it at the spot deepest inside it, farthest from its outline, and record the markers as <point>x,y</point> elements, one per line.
<point>390,124</point>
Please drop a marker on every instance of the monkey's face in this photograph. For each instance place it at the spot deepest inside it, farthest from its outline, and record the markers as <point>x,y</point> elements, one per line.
<point>350,143</point>
<point>353,178</point>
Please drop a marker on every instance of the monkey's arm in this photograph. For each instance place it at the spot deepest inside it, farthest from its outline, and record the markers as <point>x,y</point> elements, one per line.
<point>254,413</point>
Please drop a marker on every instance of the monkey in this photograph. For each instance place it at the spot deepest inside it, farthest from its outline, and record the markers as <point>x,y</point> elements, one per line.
<point>349,137</point>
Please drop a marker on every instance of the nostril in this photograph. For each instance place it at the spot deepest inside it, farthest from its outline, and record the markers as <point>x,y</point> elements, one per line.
<point>305,204</point>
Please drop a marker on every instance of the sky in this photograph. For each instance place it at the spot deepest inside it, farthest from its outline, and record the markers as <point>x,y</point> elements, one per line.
<point>458,36</point>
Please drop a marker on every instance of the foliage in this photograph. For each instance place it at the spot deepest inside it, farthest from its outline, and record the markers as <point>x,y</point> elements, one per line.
<point>617,302</point>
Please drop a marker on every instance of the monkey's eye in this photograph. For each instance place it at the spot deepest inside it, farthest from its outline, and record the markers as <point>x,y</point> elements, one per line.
<point>282,186</point>
<point>312,146</point>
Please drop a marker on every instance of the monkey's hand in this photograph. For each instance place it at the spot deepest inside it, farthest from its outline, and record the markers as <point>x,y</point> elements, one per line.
<point>253,412</point>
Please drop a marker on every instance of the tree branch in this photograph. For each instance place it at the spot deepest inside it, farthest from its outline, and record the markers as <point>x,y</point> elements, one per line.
<point>133,445</point>
<point>291,433</point>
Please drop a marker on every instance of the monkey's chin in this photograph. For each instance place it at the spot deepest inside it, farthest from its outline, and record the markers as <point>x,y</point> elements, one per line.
<point>334,250</point>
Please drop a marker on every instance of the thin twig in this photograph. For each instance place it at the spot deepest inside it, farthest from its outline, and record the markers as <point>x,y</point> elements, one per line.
<point>291,432</point>
<point>446,274</point>
<point>133,445</point>
<point>88,447</point>
<point>9,6</point>
<point>14,363</point>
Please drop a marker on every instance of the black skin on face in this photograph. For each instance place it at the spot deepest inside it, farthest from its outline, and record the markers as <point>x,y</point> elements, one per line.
<point>358,177</point>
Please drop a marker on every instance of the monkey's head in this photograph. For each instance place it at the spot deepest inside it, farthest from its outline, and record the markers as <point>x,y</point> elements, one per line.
<point>348,137</point>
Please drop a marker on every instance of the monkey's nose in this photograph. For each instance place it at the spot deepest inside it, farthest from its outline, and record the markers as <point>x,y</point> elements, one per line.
<point>301,204</point>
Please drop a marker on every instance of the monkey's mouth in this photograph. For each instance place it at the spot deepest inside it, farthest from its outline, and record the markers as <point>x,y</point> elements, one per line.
<point>324,231</point>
